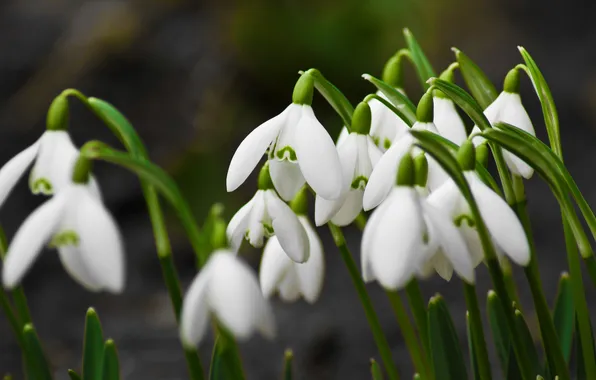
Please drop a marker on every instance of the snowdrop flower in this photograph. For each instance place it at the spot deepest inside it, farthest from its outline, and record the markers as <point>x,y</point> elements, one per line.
<point>405,232</point>
<point>448,122</point>
<point>76,223</point>
<point>508,108</point>
<point>227,289</point>
<point>54,155</point>
<point>266,215</point>
<point>300,149</point>
<point>505,228</point>
<point>385,125</point>
<point>358,155</point>
<point>279,272</point>
<point>381,180</point>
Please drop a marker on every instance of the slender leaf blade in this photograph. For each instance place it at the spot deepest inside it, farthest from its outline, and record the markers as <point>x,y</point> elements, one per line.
<point>528,342</point>
<point>375,370</point>
<point>564,315</point>
<point>500,331</point>
<point>225,364</point>
<point>93,347</point>
<point>37,365</point>
<point>399,100</point>
<point>111,363</point>
<point>472,350</point>
<point>481,88</point>
<point>73,375</point>
<point>334,96</point>
<point>288,365</point>
<point>424,68</point>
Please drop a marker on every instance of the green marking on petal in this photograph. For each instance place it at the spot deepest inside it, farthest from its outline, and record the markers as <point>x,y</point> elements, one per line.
<point>43,186</point>
<point>286,153</point>
<point>359,182</point>
<point>268,229</point>
<point>376,140</point>
<point>464,218</point>
<point>386,143</point>
<point>64,238</point>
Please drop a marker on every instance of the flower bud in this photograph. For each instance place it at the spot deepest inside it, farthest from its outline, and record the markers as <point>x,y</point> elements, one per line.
<point>303,90</point>
<point>511,83</point>
<point>300,202</point>
<point>57,117</point>
<point>424,112</point>
<point>421,170</point>
<point>361,119</point>
<point>82,170</point>
<point>466,156</point>
<point>392,74</point>
<point>406,172</point>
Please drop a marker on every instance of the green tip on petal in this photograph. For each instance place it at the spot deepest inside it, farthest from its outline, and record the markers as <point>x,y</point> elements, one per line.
<point>406,172</point>
<point>82,170</point>
<point>300,202</point>
<point>511,83</point>
<point>57,117</point>
<point>421,170</point>
<point>466,155</point>
<point>265,182</point>
<point>303,91</point>
<point>424,112</point>
<point>361,119</point>
<point>392,74</point>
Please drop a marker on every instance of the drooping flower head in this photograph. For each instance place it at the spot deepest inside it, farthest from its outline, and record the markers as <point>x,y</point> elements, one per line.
<point>299,149</point>
<point>78,225</point>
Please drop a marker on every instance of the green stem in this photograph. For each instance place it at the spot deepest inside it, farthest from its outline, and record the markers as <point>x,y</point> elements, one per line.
<point>407,329</point>
<point>509,281</point>
<point>418,307</point>
<point>478,332</point>
<point>18,294</point>
<point>12,319</point>
<point>371,316</point>
<point>591,265</point>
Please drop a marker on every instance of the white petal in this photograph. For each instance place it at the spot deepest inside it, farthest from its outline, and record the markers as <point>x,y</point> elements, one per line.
<point>287,178</point>
<point>442,266</point>
<point>287,228</point>
<point>350,209</point>
<point>311,273</point>
<point>235,298</point>
<point>368,235</point>
<point>195,309</point>
<point>385,125</point>
<point>374,153</point>
<point>342,136</point>
<point>35,231</point>
<point>238,225</point>
<point>275,263</point>
<point>13,170</point>
<point>100,241</point>
<point>447,198</point>
<point>501,221</point>
<point>73,263</point>
<point>54,163</point>
<point>256,230</point>
<point>383,177</point>
<point>325,209</point>
<point>470,235</point>
<point>251,150</point>
<point>448,121</point>
<point>436,175</point>
<point>289,287</point>
<point>317,156</point>
<point>517,165</point>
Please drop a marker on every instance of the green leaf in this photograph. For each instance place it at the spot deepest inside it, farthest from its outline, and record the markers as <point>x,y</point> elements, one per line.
<point>528,342</point>
<point>111,364</point>
<point>564,315</point>
<point>480,86</point>
<point>399,100</point>
<point>391,107</point>
<point>472,349</point>
<point>447,357</point>
<point>288,359</point>
<point>498,326</point>
<point>375,370</point>
<point>581,358</point>
<point>93,347</point>
<point>334,97</point>
<point>225,363</point>
<point>73,375</point>
<point>423,67</point>
<point>37,367</point>
<point>549,111</point>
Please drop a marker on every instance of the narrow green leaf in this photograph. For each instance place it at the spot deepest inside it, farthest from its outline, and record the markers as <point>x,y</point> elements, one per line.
<point>225,363</point>
<point>549,111</point>
<point>528,342</point>
<point>480,86</point>
<point>423,67</point>
<point>513,370</point>
<point>391,107</point>
<point>288,359</point>
<point>447,357</point>
<point>93,347</point>
<point>375,370</point>
<point>37,367</point>
<point>111,363</point>
<point>581,357</point>
<point>498,325</point>
<point>399,100</point>
<point>73,375</point>
<point>564,315</point>
<point>334,96</point>
<point>472,349</point>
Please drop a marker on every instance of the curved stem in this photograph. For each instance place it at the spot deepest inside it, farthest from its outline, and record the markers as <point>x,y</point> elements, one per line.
<point>371,315</point>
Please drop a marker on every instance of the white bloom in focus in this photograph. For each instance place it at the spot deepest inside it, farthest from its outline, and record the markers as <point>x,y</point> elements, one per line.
<point>385,125</point>
<point>87,238</point>
<point>447,120</point>
<point>505,228</point>
<point>508,108</point>
<point>266,215</point>
<point>280,273</point>
<point>358,155</point>
<point>227,289</point>
<point>54,155</point>
<point>299,149</point>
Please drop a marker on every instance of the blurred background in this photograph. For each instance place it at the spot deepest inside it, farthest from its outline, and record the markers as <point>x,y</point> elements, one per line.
<point>194,77</point>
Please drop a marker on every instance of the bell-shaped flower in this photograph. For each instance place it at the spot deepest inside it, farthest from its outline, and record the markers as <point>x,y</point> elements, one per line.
<point>290,279</point>
<point>358,155</point>
<point>227,289</point>
<point>508,108</point>
<point>78,225</point>
<point>404,233</point>
<point>266,215</point>
<point>447,120</point>
<point>299,148</point>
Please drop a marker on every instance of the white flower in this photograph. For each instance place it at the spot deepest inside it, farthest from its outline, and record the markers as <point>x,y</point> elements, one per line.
<point>382,179</point>
<point>267,215</point>
<point>404,234</point>
<point>448,122</point>
<point>358,155</point>
<point>228,289</point>
<point>280,273</point>
<point>299,149</point>
<point>385,126</point>
<point>54,155</point>
<point>87,238</point>
<point>505,228</point>
<point>508,108</point>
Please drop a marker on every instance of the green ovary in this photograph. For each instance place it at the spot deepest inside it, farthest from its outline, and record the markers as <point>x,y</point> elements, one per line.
<point>64,238</point>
